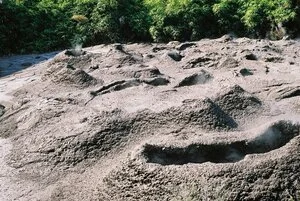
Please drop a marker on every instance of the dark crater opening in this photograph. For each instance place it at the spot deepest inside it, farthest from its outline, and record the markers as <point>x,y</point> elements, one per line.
<point>276,136</point>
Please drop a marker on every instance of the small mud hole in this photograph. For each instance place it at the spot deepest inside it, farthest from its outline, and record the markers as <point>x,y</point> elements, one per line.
<point>276,136</point>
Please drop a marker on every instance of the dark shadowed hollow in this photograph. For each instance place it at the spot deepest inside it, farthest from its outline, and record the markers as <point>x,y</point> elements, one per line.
<point>276,136</point>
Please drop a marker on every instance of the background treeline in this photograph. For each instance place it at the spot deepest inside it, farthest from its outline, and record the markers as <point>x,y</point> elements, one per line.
<point>44,25</point>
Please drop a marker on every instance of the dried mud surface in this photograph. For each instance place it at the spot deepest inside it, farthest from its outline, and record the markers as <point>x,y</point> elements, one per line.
<point>207,120</point>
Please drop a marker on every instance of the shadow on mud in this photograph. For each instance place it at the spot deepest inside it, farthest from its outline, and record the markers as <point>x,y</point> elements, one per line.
<point>276,136</point>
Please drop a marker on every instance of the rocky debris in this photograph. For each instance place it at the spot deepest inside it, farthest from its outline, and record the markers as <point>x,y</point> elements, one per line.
<point>175,55</point>
<point>185,45</point>
<point>236,101</point>
<point>287,92</point>
<point>2,110</point>
<point>196,78</point>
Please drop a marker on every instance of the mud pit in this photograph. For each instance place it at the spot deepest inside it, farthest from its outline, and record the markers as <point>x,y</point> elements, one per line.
<point>273,138</point>
<point>203,120</point>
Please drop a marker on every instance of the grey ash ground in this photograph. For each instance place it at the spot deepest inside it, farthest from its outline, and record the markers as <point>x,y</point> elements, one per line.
<point>208,120</point>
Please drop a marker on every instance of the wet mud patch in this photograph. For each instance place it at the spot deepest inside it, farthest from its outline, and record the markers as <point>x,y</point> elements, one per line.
<point>275,137</point>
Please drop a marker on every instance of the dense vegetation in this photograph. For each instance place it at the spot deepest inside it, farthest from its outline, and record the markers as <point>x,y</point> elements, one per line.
<point>43,25</point>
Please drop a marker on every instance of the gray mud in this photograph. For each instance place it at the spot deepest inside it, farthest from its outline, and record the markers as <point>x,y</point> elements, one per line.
<point>204,120</point>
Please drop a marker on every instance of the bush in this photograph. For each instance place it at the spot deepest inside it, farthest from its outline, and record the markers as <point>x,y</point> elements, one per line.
<point>120,21</point>
<point>45,25</point>
<point>181,20</point>
<point>263,16</point>
<point>229,15</point>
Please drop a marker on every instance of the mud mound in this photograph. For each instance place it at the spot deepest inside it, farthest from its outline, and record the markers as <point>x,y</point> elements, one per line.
<point>200,113</point>
<point>185,45</point>
<point>204,60</point>
<point>128,60</point>
<point>175,55</point>
<point>68,75</point>
<point>237,102</point>
<point>111,128</point>
<point>273,138</point>
<point>82,60</point>
<point>197,78</point>
<point>228,62</point>
<point>125,184</point>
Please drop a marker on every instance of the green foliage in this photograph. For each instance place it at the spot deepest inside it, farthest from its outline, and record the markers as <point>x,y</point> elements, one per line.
<point>262,15</point>
<point>44,25</point>
<point>120,20</point>
<point>181,19</point>
<point>229,14</point>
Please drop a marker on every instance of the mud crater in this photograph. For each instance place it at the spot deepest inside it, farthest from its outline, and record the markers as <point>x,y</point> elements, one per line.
<point>274,137</point>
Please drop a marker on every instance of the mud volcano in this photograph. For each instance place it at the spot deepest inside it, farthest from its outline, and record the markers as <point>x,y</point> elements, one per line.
<point>273,138</point>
